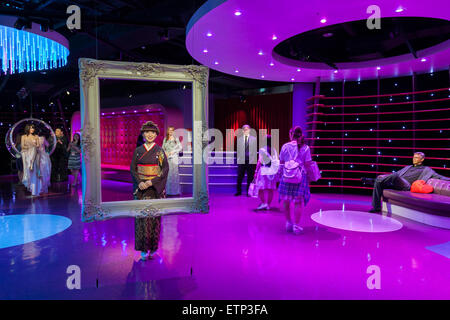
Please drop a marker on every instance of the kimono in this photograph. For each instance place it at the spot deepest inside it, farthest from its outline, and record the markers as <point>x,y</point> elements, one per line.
<point>149,163</point>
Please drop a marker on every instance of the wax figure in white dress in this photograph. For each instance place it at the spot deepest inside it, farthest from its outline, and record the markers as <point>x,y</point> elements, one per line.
<point>266,177</point>
<point>45,165</point>
<point>172,147</point>
<point>29,149</point>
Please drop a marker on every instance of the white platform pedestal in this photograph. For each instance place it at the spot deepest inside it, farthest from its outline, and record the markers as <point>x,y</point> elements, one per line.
<point>425,218</point>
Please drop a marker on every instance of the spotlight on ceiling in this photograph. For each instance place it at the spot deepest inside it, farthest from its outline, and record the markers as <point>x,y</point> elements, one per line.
<point>22,23</point>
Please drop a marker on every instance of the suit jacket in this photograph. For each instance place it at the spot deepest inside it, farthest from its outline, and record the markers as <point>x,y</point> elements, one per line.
<point>426,174</point>
<point>253,150</point>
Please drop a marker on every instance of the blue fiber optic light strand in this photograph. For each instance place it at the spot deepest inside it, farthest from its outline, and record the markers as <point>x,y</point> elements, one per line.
<point>23,51</point>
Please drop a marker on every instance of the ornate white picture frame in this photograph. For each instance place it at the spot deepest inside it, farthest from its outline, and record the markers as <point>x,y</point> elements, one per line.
<point>91,70</point>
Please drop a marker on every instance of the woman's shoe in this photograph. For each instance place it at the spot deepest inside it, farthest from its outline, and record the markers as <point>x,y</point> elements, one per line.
<point>297,229</point>
<point>289,226</point>
<point>262,206</point>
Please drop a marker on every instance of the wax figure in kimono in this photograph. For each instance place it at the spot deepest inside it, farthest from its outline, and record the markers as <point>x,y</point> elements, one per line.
<point>150,169</point>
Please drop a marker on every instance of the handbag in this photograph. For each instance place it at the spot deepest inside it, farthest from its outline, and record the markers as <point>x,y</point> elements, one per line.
<point>313,171</point>
<point>253,189</point>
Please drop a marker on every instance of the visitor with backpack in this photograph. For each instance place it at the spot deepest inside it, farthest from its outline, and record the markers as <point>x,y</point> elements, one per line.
<point>294,184</point>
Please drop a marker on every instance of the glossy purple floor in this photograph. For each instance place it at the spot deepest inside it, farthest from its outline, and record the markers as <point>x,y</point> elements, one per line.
<point>233,253</point>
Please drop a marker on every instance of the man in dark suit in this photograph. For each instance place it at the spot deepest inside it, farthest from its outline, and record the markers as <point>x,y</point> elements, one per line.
<point>246,158</point>
<point>59,158</point>
<point>402,179</point>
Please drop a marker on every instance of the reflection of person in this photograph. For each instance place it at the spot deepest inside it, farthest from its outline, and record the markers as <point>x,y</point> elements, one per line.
<point>149,168</point>
<point>266,174</point>
<point>59,157</point>
<point>402,179</point>
<point>294,155</point>
<point>74,165</point>
<point>247,160</point>
<point>45,165</point>
<point>29,144</point>
<point>172,146</point>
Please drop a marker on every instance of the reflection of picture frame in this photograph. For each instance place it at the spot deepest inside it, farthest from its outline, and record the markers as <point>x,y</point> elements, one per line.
<point>90,72</point>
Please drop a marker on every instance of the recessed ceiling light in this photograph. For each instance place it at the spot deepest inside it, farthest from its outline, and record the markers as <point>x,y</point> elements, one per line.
<point>423,59</point>
<point>323,20</point>
<point>209,34</point>
<point>399,9</point>
<point>236,71</point>
<point>205,50</point>
<point>298,70</point>
<point>262,76</point>
<point>271,64</point>
<point>260,53</point>
<point>274,37</point>
<point>378,68</point>
<point>292,79</point>
<point>237,13</point>
<point>216,62</point>
<point>335,71</point>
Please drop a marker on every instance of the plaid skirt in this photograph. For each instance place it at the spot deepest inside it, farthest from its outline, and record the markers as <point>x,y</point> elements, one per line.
<point>294,192</point>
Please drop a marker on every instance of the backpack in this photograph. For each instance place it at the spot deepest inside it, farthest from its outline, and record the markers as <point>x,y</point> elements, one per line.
<point>292,171</point>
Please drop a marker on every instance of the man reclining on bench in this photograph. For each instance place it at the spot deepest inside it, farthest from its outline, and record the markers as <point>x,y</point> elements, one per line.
<point>402,179</point>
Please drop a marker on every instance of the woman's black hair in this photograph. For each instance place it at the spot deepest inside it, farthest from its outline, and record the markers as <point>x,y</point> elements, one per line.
<point>79,139</point>
<point>28,127</point>
<point>297,135</point>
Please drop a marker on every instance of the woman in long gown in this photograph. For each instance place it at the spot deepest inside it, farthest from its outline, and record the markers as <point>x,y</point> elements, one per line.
<point>29,149</point>
<point>172,146</point>
<point>74,150</point>
<point>45,165</point>
<point>150,169</point>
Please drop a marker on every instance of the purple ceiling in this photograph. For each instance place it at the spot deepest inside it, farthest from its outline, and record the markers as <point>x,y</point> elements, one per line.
<point>242,44</point>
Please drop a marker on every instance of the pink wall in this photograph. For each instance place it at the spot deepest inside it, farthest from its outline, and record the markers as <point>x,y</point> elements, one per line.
<point>120,128</point>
